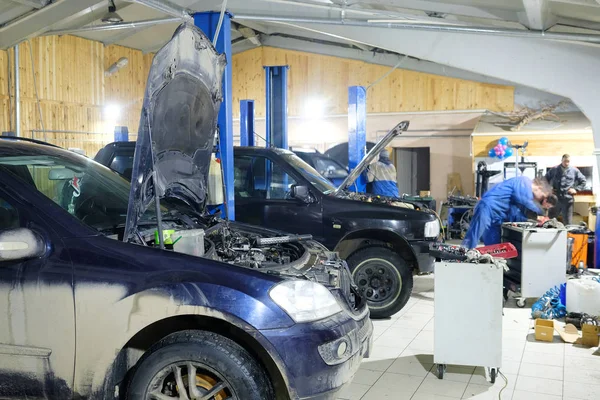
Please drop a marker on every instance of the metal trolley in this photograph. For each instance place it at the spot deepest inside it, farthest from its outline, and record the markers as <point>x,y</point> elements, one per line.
<point>468,316</point>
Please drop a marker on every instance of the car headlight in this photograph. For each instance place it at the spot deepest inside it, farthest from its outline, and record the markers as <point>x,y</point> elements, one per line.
<point>432,229</point>
<point>305,301</point>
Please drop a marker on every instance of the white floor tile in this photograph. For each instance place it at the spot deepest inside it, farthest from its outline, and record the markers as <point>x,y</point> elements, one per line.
<point>483,392</point>
<point>393,387</point>
<point>381,358</point>
<point>582,351</point>
<point>481,377</point>
<point>366,377</point>
<point>392,340</point>
<point>409,323</point>
<point>533,357</point>
<point>419,395</point>
<point>443,387</point>
<point>521,395</point>
<point>576,363</point>
<point>353,391</point>
<point>582,375</point>
<point>412,365</point>
<point>510,367</point>
<point>579,391</point>
<point>405,333</point>
<point>541,371</point>
<point>546,347</point>
<point>539,385</point>
<point>453,373</point>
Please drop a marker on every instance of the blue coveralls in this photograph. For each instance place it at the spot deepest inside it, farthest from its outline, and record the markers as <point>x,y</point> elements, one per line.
<point>508,201</point>
<point>383,176</point>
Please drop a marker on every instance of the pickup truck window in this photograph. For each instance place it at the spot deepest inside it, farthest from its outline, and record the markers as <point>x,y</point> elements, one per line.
<point>309,173</point>
<point>260,178</point>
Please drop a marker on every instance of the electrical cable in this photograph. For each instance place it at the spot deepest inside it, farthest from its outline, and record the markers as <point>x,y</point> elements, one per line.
<point>387,73</point>
<point>505,384</point>
<point>35,85</point>
<point>223,6</point>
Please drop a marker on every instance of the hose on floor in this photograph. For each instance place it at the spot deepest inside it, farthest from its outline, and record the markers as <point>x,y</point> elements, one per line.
<point>505,385</point>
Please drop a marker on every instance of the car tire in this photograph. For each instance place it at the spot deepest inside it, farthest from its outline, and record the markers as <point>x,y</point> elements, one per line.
<point>384,298</point>
<point>216,360</point>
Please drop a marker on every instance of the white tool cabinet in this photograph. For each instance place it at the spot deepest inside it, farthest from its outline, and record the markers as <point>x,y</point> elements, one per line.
<point>468,316</point>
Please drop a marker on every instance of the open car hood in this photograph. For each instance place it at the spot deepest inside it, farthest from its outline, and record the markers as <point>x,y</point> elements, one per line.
<point>370,156</point>
<point>177,125</point>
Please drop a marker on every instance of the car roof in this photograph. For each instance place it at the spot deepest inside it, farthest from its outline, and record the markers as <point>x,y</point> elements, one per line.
<point>18,147</point>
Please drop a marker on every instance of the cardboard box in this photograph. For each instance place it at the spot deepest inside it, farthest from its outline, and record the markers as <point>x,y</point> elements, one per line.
<point>425,193</point>
<point>544,330</point>
<point>590,335</point>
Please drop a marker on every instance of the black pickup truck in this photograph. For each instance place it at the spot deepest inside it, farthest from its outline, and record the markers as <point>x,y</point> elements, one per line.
<point>383,240</point>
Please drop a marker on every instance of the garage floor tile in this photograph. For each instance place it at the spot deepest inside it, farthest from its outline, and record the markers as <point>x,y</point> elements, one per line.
<point>401,366</point>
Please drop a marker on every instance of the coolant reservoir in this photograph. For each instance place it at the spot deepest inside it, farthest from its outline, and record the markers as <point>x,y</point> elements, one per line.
<point>583,296</point>
<point>215,182</point>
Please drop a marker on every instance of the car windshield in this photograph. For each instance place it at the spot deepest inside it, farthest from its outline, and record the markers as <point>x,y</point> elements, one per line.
<point>308,172</point>
<point>90,192</point>
<point>329,168</point>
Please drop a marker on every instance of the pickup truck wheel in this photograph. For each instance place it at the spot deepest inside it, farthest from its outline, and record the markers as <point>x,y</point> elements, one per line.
<point>383,277</point>
<point>199,365</point>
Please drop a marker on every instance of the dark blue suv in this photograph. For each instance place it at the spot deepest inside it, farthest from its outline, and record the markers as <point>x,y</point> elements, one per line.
<point>131,291</point>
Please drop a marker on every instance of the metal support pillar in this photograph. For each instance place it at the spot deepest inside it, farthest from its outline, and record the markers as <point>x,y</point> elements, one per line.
<point>357,132</point>
<point>208,22</point>
<point>247,123</point>
<point>277,133</point>
<point>17,84</point>
<point>121,134</point>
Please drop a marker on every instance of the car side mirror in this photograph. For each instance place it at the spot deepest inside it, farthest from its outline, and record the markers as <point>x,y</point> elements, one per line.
<point>21,244</point>
<point>301,193</point>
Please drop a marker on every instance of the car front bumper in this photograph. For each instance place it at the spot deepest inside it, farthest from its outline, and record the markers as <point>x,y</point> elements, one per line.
<point>304,369</point>
<point>424,259</point>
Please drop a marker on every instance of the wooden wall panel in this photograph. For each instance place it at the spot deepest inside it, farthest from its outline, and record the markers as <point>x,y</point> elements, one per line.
<point>73,90</point>
<point>328,78</point>
<point>576,144</point>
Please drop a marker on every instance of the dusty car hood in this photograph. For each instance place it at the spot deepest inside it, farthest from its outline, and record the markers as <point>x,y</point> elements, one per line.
<point>370,156</point>
<point>177,124</point>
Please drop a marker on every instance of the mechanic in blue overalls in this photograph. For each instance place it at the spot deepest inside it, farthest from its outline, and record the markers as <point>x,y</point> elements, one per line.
<point>514,200</point>
<point>383,175</point>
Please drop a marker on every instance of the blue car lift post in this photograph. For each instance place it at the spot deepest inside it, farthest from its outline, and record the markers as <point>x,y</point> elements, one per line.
<point>247,123</point>
<point>357,133</point>
<point>208,22</point>
<point>276,90</point>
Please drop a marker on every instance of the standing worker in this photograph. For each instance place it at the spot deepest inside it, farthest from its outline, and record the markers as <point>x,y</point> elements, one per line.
<point>513,200</point>
<point>566,181</point>
<point>383,175</point>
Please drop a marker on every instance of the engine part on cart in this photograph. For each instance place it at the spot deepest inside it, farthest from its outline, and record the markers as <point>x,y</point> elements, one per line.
<point>444,251</point>
<point>462,201</point>
<point>553,224</point>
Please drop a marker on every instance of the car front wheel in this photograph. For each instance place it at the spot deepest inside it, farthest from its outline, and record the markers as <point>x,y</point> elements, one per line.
<point>383,278</point>
<point>199,365</point>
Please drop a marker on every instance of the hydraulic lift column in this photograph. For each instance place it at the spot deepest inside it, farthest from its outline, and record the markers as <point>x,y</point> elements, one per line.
<point>247,123</point>
<point>276,89</point>
<point>208,22</point>
<point>357,132</point>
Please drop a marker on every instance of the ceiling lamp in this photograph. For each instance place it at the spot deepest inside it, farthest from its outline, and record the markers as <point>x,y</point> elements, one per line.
<point>111,16</point>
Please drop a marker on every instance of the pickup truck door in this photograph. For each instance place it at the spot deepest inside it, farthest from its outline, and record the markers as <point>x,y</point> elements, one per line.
<point>37,321</point>
<point>262,197</point>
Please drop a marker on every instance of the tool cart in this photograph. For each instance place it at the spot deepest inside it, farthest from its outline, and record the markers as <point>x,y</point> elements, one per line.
<point>540,264</point>
<point>468,309</point>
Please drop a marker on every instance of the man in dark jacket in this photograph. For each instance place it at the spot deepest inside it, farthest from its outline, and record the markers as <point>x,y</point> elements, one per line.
<point>566,181</point>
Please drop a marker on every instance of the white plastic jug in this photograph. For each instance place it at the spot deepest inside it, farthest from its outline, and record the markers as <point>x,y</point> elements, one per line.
<point>583,296</point>
<point>189,242</point>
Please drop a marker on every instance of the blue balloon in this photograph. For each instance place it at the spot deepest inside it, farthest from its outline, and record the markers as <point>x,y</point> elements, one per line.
<point>509,152</point>
<point>492,153</point>
<point>503,140</point>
